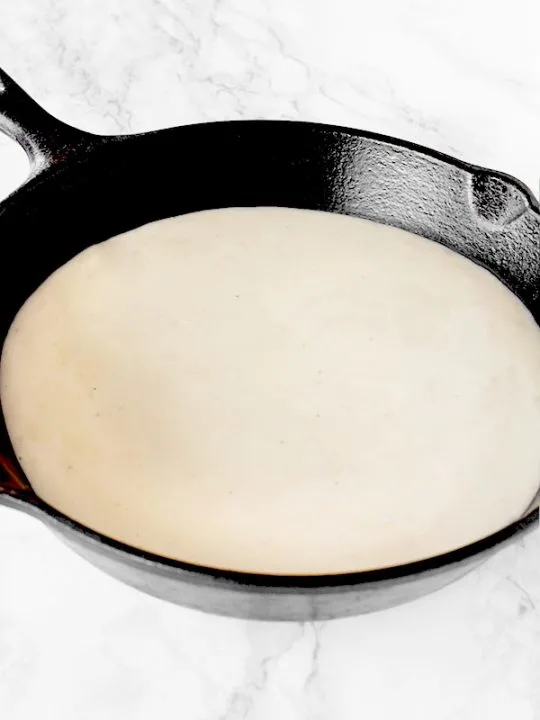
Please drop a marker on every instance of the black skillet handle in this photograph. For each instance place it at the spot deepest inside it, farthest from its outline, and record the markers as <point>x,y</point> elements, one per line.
<point>45,139</point>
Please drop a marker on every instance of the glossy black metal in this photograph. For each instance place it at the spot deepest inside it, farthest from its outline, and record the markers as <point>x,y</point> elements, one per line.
<point>85,188</point>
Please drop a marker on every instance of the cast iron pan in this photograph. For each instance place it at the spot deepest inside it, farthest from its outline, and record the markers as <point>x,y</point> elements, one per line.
<point>85,188</point>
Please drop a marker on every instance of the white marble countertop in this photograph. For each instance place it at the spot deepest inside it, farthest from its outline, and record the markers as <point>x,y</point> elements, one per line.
<point>461,77</point>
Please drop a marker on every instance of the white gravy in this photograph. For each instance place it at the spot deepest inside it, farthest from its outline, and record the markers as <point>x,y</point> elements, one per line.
<point>277,390</point>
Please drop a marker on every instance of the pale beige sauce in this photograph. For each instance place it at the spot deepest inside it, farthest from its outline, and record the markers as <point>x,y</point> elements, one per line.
<point>277,390</point>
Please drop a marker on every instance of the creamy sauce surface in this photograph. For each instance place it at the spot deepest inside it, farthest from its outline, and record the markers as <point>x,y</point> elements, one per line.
<point>277,390</point>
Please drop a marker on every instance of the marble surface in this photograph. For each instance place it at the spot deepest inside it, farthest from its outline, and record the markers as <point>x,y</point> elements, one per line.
<point>461,77</point>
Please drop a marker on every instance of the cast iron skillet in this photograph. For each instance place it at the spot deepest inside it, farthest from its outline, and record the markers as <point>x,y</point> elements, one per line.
<point>85,188</point>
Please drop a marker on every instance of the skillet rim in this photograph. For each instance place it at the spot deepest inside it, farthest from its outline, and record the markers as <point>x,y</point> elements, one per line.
<point>30,502</point>
<point>91,142</point>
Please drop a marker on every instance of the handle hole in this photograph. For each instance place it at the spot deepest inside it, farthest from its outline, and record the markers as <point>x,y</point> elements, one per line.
<point>14,166</point>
